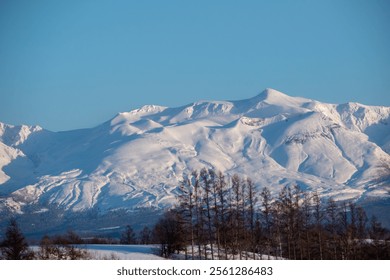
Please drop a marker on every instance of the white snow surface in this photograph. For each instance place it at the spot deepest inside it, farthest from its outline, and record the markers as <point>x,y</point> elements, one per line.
<point>138,158</point>
<point>123,252</point>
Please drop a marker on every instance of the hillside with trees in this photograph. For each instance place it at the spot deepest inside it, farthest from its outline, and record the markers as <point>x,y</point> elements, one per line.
<point>220,218</point>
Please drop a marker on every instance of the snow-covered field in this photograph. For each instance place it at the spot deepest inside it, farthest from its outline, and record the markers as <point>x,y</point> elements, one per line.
<point>123,252</point>
<point>150,252</point>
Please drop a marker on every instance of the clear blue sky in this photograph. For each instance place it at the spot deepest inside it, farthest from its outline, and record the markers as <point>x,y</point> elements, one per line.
<point>75,64</point>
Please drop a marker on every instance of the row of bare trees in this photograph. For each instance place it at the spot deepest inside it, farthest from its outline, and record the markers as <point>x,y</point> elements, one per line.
<point>68,246</point>
<point>223,218</point>
<point>129,236</point>
<point>60,247</point>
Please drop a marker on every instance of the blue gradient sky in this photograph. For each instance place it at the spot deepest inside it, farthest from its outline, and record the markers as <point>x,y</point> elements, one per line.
<point>75,64</point>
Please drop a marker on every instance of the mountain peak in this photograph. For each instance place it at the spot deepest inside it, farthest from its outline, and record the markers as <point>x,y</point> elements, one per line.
<point>268,92</point>
<point>273,95</point>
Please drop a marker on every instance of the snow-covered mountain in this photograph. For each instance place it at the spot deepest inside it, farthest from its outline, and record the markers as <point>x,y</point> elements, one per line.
<point>137,159</point>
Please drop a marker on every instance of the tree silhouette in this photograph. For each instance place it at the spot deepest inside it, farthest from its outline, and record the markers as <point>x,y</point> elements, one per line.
<point>145,236</point>
<point>15,246</point>
<point>128,236</point>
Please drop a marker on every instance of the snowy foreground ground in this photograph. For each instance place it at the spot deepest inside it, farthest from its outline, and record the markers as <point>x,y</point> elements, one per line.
<point>145,252</point>
<point>151,252</point>
<point>123,252</point>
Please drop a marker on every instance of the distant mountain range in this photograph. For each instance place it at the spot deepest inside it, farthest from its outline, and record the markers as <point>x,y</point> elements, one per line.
<point>137,159</point>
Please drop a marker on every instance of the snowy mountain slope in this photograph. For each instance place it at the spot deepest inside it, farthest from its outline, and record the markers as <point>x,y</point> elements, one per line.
<point>138,158</point>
